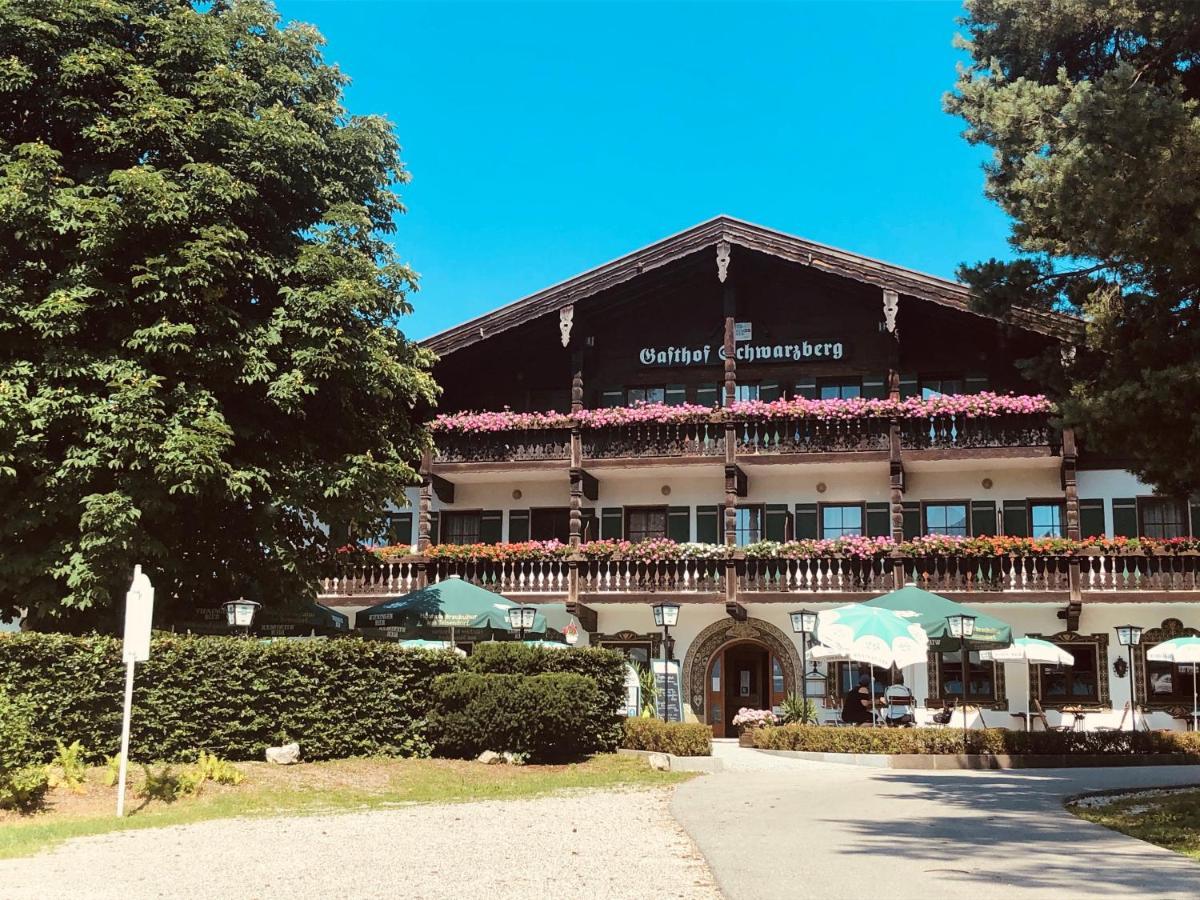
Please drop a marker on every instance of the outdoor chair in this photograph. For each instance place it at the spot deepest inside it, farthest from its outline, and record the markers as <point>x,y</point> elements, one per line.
<point>1040,715</point>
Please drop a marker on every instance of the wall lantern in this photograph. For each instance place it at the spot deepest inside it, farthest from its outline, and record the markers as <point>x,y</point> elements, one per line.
<point>240,613</point>
<point>520,619</point>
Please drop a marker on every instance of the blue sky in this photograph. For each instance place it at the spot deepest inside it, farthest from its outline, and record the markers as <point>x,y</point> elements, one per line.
<point>547,138</point>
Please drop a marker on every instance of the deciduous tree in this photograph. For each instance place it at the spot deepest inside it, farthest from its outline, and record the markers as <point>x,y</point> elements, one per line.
<point>199,353</point>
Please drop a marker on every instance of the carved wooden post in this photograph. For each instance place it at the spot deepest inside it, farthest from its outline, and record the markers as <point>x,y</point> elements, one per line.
<point>896,471</point>
<point>1071,508</point>
<point>425,501</point>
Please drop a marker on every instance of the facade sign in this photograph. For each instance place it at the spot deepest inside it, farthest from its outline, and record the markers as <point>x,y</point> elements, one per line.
<point>743,331</point>
<point>669,691</point>
<point>708,355</point>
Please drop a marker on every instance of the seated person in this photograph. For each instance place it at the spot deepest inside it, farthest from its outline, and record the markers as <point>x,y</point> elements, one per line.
<point>856,707</point>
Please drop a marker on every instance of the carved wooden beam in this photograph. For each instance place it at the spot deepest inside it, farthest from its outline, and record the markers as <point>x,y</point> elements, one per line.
<point>736,611</point>
<point>588,620</point>
<point>737,480</point>
<point>443,489</point>
<point>591,486</point>
<point>1071,614</point>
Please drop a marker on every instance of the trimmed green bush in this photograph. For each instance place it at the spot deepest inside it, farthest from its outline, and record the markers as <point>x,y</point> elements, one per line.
<point>605,667</point>
<point>817,739</point>
<point>541,717</point>
<point>22,783</point>
<point>676,738</point>
<point>231,696</point>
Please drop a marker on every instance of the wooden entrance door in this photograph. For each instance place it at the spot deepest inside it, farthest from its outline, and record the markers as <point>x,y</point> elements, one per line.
<point>744,673</point>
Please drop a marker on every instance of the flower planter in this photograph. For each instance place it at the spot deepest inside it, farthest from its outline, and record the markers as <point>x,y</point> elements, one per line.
<point>746,737</point>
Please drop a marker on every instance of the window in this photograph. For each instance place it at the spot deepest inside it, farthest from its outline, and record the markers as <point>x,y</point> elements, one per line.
<point>550,525</point>
<point>645,523</point>
<point>1168,681</point>
<point>946,518</point>
<point>746,391</point>
<point>841,521</point>
<point>460,527</point>
<point>848,675</point>
<point>777,684</point>
<point>981,676</point>
<point>1045,519</point>
<point>1073,684</point>
<point>749,524</point>
<point>937,387</point>
<point>1161,517</point>
<point>637,652</point>
<point>652,394</point>
<point>839,390</point>
<point>708,395</point>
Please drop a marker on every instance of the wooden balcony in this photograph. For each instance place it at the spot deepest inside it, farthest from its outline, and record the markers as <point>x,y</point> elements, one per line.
<point>649,440</point>
<point>811,435</point>
<point>519,445</point>
<point>1002,432</point>
<point>998,577</point>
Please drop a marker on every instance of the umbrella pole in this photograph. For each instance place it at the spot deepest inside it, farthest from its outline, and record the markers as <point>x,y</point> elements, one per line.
<point>1194,665</point>
<point>874,722</point>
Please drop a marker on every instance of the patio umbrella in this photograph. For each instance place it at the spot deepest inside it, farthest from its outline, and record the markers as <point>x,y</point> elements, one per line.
<point>1029,650</point>
<point>871,634</point>
<point>548,645</point>
<point>930,610</point>
<point>1180,650</point>
<point>421,644</point>
<point>453,603</point>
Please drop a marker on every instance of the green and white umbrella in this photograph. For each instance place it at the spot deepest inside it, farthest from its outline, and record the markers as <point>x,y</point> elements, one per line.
<point>1029,650</point>
<point>870,634</point>
<point>1185,650</point>
<point>422,644</point>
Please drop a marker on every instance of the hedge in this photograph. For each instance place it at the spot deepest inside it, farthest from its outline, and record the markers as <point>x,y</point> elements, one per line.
<point>230,696</point>
<point>818,739</point>
<point>605,667</point>
<point>676,738</point>
<point>544,717</point>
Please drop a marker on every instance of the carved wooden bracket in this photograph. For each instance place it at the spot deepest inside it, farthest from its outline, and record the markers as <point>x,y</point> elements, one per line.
<point>736,478</point>
<point>566,317</point>
<point>736,611</point>
<point>722,260</point>
<point>442,489</point>
<point>1070,613</point>
<point>588,483</point>
<point>588,620</point>
<point>891,306</point>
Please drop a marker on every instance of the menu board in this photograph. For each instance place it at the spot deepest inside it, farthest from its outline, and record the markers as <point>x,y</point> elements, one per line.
<point>668,703</point>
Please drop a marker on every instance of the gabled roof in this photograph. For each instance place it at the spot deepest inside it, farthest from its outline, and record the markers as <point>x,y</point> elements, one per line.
<point>842,263</point>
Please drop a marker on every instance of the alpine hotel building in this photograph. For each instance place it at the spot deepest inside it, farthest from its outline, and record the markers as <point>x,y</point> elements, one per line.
<point>748,323</point>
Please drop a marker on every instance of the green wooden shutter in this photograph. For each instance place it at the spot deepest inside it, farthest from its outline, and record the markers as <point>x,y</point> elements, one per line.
<point>879,520</point>
<point>435,527</point>
<point>808,526</point>
<point>518,525</point>
<point>1125,518</point>
<point>1016,518</point>
<point>1195,510</point>
<point>975,383</point>
<point>912,519</point>
<point>612,522</point>
<point>400,528</point>
<point>679,523</point>
<point>589,524</point>
<point>807,388</point>
<point>491,524</point>
<point>706,395</point>
<point>983,518</point>
<point>708,524</point>
<point>676,395</point>
<point>775,522</point>
<point>768,391</point>
<point>874,387</point>
<point>910,386</point>
<point>1091,518</point>
<point>609,399</point>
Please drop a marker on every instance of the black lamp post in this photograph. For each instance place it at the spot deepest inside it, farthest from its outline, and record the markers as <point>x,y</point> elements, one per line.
<point>665,617</point>
<point>963,627</point>
<point>520,619</point>
<point>240,613</point>
<point>804,623</point>
<point>1129,636</point>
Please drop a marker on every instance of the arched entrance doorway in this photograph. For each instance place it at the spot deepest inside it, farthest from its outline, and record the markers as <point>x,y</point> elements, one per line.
<point>742,673</point>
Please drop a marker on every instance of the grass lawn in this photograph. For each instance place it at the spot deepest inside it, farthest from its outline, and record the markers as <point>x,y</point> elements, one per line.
<point>1169,818</point>
<point>348,784</point>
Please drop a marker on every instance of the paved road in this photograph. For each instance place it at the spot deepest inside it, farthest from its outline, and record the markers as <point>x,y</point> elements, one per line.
<point>821,830</point>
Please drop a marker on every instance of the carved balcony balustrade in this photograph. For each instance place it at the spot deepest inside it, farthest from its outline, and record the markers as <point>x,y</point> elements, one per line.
<point>959,432</point>
<point>811,435</point>
<point>517,445</point>
<point>654,439</point>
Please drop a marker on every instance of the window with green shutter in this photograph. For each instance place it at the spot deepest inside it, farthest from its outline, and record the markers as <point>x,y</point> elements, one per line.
<point>910,386</point>
<point>768,391</point>
<point>399,528</point>
<point>807,388</point>
<point>612,523</point>
<point>435,528</point>
<point>807,522</point>
<point>1016,518</point>
<point>679,523</point>
<point>983,518</point>
<point>610,399</point>
<point>708,394</point>
<point>676,395</point>
<point>875,387</point>
<point>518,525</point>
<point>490,526</point>
<point>775,525</point>
<point>975,383</point>
<point>912,519</point>
<point>1125,517</point>
<point>1091,518</point>
<point>708,524</point>
<point>879,520</point>
<point>589,524</point>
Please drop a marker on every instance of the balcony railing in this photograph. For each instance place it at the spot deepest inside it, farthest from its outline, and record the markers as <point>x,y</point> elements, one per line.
<point>989,573</point>
<point>518,445</point>
<point>827,575</point>
<point>948,432</point>
<point>651,439</point>
<point>1152,572</point>
<point>811,435</point>
<point>628,576</point>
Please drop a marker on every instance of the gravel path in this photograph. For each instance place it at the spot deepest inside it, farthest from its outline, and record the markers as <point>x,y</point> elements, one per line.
<point>594,845</point>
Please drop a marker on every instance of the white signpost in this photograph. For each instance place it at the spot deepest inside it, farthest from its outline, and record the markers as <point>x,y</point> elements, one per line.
<point>139,612</point>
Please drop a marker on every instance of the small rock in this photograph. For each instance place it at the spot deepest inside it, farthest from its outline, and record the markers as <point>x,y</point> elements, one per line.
<point>659,761</point>
<point>285,755</point>
<point>490,758</point>
<point>514,759</point>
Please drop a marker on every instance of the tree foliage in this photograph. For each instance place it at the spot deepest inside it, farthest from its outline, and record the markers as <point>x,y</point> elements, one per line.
<point>1090,109</point>
<point>199,357</point>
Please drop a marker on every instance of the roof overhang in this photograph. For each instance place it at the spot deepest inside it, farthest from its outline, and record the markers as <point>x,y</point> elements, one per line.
<point>841,263</point>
